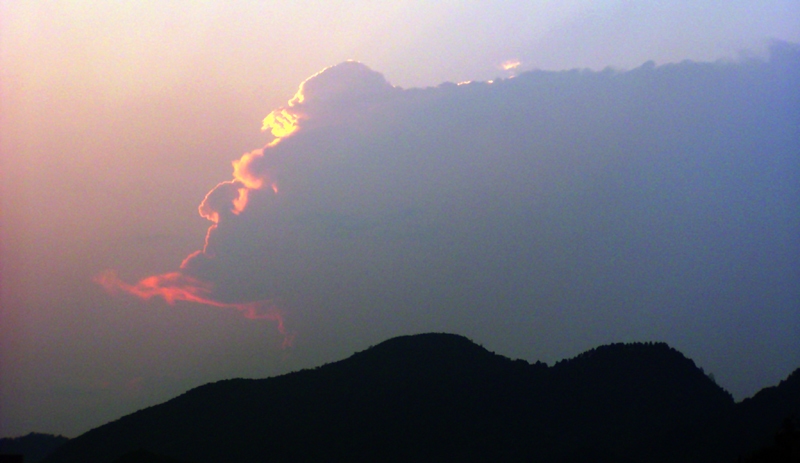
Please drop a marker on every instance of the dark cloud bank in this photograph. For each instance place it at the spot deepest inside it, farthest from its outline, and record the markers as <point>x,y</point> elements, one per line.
<point>542,215</point>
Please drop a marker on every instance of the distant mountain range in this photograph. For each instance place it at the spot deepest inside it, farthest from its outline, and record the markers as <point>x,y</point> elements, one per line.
<point>441,397</point>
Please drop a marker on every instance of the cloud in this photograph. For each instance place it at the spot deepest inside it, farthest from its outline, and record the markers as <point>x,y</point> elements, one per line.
<point>331,88</point>
<point>177,286</point>
<point>604,202</point>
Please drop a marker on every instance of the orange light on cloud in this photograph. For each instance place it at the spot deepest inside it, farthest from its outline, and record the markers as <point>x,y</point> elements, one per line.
<point>510,64</point>
<point>300,96</point>
<point>209,214</point>
<point>241,202</point>
<point>226,197</point>
<point>171,287</point>
<point>226,200</point>
<point>241,170</point>
<point>281,123</point>
<point>175,286</point>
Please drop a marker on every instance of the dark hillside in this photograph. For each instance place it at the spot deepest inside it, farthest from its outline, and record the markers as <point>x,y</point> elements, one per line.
<point>427,395</point>
<point>143,456</point>
<point>34,446</point>
<point>653,402</point>
<point>440,397</point>
<point>758,419</point>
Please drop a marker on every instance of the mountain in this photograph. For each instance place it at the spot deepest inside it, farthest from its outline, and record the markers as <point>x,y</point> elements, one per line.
<point>33,446</point>
<point>769,417</point>
<point>143,456</point>
<point>440,397</point>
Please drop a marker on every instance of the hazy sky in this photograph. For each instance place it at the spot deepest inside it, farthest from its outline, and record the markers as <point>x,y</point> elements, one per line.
<point>540,215</point>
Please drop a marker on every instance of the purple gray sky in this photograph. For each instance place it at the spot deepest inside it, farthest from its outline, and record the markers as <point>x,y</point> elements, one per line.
<point>541,215</point>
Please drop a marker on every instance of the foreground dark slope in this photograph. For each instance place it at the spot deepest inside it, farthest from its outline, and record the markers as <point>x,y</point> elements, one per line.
<point>440,397</point>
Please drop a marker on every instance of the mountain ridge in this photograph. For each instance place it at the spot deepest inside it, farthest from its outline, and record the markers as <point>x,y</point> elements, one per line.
<point>435,396</point>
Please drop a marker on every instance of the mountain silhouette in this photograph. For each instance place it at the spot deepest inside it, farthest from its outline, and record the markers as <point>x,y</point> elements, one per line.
<point>33,446</point>
<point>143,456</point>
<point>441,397</point>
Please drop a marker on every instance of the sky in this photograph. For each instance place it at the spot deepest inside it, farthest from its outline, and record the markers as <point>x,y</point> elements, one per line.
<point>196,191</point>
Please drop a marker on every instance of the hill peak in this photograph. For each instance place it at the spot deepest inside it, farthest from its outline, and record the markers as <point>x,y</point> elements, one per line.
<point>432,343</point>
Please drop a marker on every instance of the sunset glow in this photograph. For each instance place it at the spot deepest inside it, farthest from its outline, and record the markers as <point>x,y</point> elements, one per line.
<point>175,286</point>
<point>281,123</point>
<point>300,96</point>
<point>227,199</point>
<point>241,202</point>
<point>242,173</point>
<point>538,176</point>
